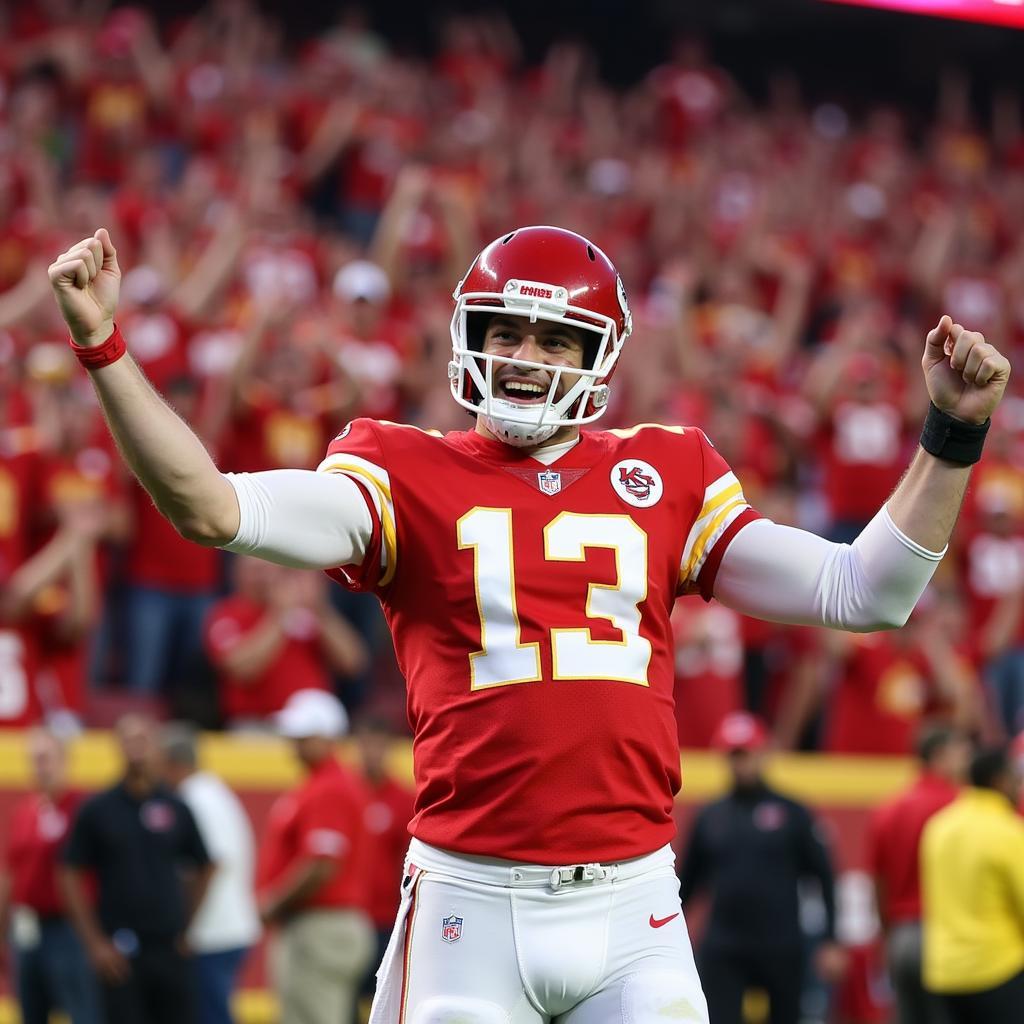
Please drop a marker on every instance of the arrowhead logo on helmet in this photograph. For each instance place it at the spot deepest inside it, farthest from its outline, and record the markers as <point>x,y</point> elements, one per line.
<point>542,273</point>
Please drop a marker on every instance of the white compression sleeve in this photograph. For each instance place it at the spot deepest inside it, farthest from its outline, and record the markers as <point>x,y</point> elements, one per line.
<point>788,575</point>
<point>300,518</point>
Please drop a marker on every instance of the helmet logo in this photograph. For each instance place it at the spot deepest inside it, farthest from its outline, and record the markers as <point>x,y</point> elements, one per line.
<point>637,483</point>
<point>534,291</point>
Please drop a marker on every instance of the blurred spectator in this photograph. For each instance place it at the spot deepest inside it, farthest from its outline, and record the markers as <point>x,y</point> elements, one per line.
<point>893,855</point>
<point>63,565</point>
<point>372,348</point>
<point>855,393</point>
<point>80,479</point>
<point>709,668</point>
<point>313,871</point>
<point>276,635</point>
<point>141,844</point>
<point>227,924</point>
<point>972,877</point>
<point>993,572</point>
<point>284,403</point>
<point>750,851</point>
<point>883,685</point>
<point>52,971</point>
<point>388,812</point>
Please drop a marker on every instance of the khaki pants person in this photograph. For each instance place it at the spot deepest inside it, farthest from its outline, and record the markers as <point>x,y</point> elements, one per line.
<point>317,961</point>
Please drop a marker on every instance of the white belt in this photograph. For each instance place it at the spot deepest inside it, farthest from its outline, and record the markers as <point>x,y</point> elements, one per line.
<point>516,875</point>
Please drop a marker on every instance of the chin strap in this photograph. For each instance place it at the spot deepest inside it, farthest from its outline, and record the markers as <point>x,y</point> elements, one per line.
<point>519,435</point>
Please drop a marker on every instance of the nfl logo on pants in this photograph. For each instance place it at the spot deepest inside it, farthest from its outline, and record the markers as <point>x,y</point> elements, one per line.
<point>451,928</point>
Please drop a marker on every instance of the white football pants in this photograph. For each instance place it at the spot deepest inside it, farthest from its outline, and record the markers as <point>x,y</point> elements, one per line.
<point>486,941</point>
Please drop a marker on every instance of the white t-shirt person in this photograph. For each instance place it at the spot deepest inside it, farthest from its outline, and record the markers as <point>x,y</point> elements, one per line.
<point>228,918</point>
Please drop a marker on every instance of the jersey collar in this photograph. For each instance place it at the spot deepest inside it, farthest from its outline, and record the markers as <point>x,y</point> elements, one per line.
<point>493,450</point>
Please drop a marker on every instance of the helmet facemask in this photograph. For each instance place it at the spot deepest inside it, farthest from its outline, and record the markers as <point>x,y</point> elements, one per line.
<point>472,371</point>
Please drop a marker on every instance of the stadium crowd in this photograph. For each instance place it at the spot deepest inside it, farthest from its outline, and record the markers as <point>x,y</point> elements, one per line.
<point>295,217</point>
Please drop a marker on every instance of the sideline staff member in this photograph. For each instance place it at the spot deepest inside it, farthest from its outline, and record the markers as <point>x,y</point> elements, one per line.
<point>751,849</point>
<point>312,873</point>
<point>52,970</point>
<point>972,866</point>
<point>137,837</point>
<point>894,856</point>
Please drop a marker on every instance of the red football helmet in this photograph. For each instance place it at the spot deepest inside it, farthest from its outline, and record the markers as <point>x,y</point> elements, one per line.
<point>543,273</point>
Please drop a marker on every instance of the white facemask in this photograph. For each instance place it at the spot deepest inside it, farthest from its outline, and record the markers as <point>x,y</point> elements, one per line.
<point>512,431</point>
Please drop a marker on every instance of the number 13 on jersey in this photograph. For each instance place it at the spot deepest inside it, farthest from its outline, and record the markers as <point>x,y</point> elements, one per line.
<point>503,658</point>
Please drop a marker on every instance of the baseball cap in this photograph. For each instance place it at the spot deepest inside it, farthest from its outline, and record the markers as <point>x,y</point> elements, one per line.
<point>312,713</point>
<point>740,730</point>
<point>143,284</point>
<point>362,279</point>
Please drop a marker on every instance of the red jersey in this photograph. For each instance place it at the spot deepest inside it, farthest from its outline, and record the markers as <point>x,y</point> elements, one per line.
<point>709,669</point>
<point>299,664</point>
<point>993,569</point>
<point>388,810</point>
<point>19,643</point>
<point>158,556</point>
<point>863,457</point>
<point>884,692</point>
<point>37,831</point>
<point>323,817</point>
<point>529,606</point>
<point>157,343</point>
<point>894,837</point>
<point>19,676</point>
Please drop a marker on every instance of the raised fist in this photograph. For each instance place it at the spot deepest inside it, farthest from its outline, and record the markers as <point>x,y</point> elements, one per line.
<point>966,376</point>
<point>86,280</point>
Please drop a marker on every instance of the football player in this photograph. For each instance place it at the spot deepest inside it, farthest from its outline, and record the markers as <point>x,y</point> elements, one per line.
<point>527,567</point>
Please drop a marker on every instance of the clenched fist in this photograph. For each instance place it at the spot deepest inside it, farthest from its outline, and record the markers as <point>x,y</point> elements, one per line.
<point>86,280</point>
<point>966,376</point>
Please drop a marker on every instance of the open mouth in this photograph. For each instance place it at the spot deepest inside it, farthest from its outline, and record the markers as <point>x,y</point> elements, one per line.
<point>523,392</point>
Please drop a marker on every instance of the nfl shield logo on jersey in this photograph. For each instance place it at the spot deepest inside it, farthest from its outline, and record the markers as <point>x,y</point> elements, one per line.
<point>549,481</point>
<point>451,928</point>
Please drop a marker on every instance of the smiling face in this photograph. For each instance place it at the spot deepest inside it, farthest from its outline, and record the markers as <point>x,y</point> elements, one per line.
<point>542,342</point>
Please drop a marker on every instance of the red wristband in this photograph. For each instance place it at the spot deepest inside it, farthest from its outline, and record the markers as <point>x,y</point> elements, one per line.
<point>93,357</point>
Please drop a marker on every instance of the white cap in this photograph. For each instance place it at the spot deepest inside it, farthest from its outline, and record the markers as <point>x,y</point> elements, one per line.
<point>143,284</point>
<point>312,713</point>
<point>362,279</point>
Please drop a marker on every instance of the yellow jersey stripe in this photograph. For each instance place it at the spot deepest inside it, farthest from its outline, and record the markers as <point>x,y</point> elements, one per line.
<point>633,431</point>
<point>387,523</point>
<point>720,499</point>
<point>706,535</point>
<point>728,492</point>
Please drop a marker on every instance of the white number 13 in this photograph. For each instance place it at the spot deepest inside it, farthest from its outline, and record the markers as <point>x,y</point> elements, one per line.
<point>503,658</point>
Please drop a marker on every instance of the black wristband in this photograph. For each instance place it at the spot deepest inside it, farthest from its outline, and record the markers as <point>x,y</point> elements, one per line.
<point>948,438</point>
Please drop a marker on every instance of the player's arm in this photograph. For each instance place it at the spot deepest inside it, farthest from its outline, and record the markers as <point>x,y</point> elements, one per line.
<point>295,517</point>
<point>167,458</point>
<point>788,575</point>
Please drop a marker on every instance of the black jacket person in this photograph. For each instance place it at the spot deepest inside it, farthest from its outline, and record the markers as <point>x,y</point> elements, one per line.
<point>750,850</point>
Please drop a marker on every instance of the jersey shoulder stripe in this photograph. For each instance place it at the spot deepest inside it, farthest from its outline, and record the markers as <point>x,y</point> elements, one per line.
<point>723,503</point>
<point>628,432</point>
<point>377,483</point>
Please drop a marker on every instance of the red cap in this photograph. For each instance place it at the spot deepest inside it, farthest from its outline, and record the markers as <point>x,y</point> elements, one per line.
<point>740,730</point>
